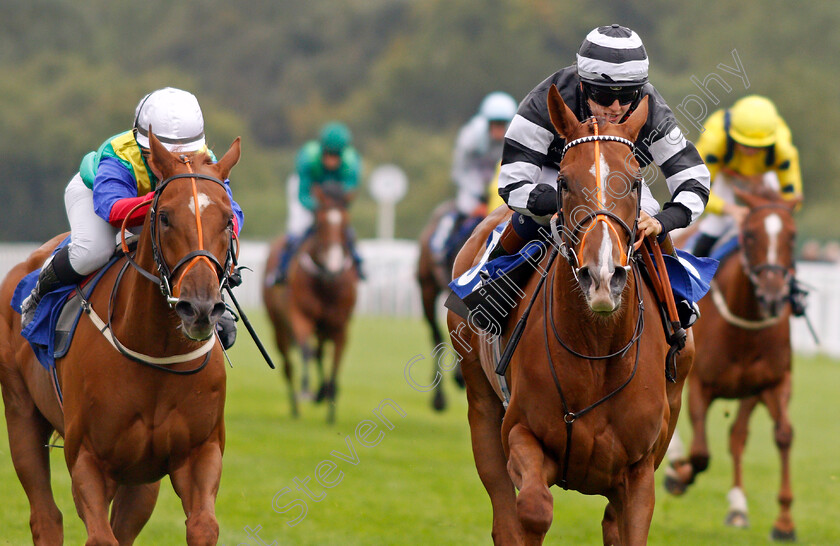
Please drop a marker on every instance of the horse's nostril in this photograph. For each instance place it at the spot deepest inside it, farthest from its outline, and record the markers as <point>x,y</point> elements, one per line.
<point>185,309</point>
<point>618,280</point>
<point>584,278</point>
<point>218,310</point>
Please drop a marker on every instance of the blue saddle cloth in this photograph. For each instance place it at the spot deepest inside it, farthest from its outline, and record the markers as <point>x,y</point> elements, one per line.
<point>41,332</point>
<point>725,248</point>
<point>487,271</point>
<point>690,275</point>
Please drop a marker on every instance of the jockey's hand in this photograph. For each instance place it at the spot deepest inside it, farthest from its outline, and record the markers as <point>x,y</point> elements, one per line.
<point>648,226</point>
<point>737,212</point>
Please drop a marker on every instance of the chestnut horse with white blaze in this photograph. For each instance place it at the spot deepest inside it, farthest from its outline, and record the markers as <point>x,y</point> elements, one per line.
<point>318,298</point>
<point>127,422</point>
<point>746,351</point>
<point>590,408</point>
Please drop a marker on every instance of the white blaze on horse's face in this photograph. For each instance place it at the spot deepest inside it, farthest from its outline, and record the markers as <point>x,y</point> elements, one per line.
<point>773,227</point>
<point>203,202</point>
<point>334,217</point>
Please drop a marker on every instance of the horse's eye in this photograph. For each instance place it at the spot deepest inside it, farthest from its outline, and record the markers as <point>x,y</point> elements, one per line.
<point>562,183</point>
<point>230,224</point>
<point>164,219</point>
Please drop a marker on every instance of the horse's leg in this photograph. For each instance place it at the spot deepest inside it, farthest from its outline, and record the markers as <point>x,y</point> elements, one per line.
<point>531,472</point>
<point>777,400</point>
<point>737,514</point>
<point>92,492</point>
<point>633,501</point>
<point>339,340</point>
<point>609,526</point>
<point>699,400</point>
<point>29,432</point>
<point>429,293</point>
<point>196,482</point>
<point>131,509</point>
<point>320,346</point>
<point>282,337</point>
<point>303,329</point>
<point>485,413</point>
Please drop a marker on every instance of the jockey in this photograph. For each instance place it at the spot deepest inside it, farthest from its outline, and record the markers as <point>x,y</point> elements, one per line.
<point>748,144</point>
<point>112,181</point>
<point>331,159</point>
<point>608,81</point>
<point>478,150</point>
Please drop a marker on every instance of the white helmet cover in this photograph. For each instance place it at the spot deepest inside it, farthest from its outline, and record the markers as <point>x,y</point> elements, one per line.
<point>498,106</point>
<point>175,118</point>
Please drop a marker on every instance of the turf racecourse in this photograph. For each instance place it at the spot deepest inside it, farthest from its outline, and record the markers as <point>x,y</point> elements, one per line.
<point>418,485</point>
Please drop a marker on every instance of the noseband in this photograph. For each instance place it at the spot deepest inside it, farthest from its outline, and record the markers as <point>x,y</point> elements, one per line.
<point>568,239</point>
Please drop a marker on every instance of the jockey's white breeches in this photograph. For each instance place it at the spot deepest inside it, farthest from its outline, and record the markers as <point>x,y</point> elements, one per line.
<point>300,218</point>
<point>92,238</point>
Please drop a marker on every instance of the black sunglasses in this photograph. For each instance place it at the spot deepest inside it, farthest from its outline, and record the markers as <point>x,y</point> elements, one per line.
<point>605,96</point>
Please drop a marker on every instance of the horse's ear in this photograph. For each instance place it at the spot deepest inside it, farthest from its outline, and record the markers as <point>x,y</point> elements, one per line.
<point>161,160</point>
<point>793,203</point>
<point>230,159</point>
<point>562,117</point>
<point>750,199</point>
<point>636,120</point>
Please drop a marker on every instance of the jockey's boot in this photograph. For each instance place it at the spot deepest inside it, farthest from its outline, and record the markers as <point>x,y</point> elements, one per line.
<point>354,252</point>
<point>55,272</point>
<point>289,249</point>
<point>510,242</point>
<point>226,329</point>
<point>798,298</point>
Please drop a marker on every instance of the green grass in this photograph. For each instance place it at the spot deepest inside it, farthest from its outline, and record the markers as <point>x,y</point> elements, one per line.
<point>419,485</point>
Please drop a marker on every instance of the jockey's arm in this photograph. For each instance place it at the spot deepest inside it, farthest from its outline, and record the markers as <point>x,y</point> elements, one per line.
<point>115,195</point>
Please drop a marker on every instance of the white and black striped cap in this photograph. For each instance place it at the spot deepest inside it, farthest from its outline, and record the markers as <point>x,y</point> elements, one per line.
<point>614,56</point>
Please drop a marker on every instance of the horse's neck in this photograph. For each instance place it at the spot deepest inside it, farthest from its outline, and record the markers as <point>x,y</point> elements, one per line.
<point>140,303</point>
<point>737,289</point>
<point>579,326</point>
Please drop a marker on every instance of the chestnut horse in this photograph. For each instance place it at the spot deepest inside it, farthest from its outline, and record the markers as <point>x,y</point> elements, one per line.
<point>433,278</point>
<point>746,355</point>
<point>318,297</point>
<point>589,408</point>
<point>125,424</point>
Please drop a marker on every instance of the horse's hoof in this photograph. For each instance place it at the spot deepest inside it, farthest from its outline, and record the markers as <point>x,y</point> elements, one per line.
<point>738,519</point>
<point>439,401</point>
<point>674,486</point>
<point>322,393</point>
<point>783,536</point>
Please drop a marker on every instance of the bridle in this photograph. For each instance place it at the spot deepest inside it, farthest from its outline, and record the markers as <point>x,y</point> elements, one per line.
<point>191,259</point>
<point>566,238</point>
<point>753,272</point>
<point>164,277</point>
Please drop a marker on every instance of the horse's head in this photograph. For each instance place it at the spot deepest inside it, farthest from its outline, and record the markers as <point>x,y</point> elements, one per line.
<point>331,252</point>
<point>599,190</point>
<point>191,225</point>
<point>767,238</point>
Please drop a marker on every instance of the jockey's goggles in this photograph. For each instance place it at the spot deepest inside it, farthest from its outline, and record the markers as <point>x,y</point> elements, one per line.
<point>605,96</point>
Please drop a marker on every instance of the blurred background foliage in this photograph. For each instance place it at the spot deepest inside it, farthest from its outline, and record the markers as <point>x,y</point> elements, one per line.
<point>404,75</point>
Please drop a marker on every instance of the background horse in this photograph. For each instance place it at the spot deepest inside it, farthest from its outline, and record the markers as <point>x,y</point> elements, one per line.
<point>598,424</point>
<point>434,278</point>
<point>126,425</point>
<point>318,297</point>
<point>744,333</point>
